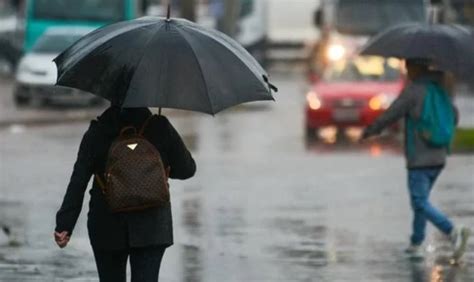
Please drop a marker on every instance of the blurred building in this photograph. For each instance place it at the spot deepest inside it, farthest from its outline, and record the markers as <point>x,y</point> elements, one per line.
<point>10,35</point>
<point>455,11</point>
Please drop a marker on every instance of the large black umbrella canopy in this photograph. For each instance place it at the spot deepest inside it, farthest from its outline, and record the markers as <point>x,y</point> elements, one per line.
<point>450,47</point>
<point>162,62</point>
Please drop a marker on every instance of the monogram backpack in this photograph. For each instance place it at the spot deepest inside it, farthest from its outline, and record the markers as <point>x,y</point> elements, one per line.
<point>135,177</point>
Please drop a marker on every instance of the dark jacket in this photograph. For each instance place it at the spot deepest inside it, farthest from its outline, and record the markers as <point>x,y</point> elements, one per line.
<point>410,104</point>
<point>122,230</point>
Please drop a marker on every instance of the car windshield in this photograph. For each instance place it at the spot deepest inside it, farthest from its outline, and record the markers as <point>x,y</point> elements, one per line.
<point>92,10</point>
<point>54,44</point>
<point>367,17</point>
<point>362,69</point>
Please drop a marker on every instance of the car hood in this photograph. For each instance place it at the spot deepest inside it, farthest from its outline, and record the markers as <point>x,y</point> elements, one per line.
<point>37,69</point>
<point>357,89</point>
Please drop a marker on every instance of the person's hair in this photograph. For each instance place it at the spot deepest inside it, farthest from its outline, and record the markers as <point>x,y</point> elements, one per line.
<point>114,116</point>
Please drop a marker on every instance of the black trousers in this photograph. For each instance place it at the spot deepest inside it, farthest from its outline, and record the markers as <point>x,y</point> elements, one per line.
<point>144,263</point>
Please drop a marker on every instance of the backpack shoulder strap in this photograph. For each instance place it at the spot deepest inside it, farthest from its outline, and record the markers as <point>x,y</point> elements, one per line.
<point>145,124</point>
<point>101,183</point>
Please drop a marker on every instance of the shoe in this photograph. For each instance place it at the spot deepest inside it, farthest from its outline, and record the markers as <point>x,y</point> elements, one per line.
<point>414,251</point>
<point>459,238</point>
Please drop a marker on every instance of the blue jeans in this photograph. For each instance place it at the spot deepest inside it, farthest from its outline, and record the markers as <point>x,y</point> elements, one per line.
<point>420,183</point>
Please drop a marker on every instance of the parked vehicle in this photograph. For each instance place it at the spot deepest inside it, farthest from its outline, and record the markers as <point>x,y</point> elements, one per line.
<point>40,15</point>
<point>36,74</point>
<point>352,93</point>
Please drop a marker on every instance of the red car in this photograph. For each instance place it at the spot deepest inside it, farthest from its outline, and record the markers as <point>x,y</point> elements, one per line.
<point>353,93</point>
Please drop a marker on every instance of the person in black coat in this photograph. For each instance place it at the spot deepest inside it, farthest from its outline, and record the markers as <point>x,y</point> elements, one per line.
<point>142,235</point>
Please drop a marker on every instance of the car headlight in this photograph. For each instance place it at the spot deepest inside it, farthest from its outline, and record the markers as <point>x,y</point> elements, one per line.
<point>314,102</point>
<point>336,52</point>
<point>381,101</point>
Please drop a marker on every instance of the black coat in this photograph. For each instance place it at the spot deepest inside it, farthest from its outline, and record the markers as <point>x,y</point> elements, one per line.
<point>122,230</point>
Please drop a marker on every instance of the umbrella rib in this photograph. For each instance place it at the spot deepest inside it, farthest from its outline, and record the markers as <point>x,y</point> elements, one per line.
<point>234,49</point>
<point>78,56</point>
<point>256,69</point>
<point>200,68</point>
<point>144,52</point>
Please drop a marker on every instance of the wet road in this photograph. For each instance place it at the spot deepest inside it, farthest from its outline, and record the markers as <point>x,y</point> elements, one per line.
<point>262,207</point>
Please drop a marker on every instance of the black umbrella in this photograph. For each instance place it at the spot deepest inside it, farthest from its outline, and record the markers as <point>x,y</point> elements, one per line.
<point>163,62</point>
<point>450,47</point>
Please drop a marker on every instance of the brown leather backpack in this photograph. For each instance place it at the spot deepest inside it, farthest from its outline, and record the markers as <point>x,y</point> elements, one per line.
<point>135,177</point>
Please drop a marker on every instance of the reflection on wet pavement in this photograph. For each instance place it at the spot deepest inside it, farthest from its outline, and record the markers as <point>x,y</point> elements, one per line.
<point>12,217</point>
<point>264,205</point>
<point>331,142</point>
<point>192,264</point>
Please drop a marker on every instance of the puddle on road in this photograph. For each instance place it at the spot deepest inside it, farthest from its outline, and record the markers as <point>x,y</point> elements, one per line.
<point>192,216</point>
<point>12,223</point>
<point>231,223</point>
<point>22,261</point>
<point>457,186</point>
<point>192,259</point>
<point>311,244</point>
<point>421,270</point>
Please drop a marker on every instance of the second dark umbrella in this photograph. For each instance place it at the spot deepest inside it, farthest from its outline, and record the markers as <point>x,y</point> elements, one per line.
<point>450,47</point>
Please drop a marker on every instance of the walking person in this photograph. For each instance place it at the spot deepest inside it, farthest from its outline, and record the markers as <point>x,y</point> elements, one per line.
<point>424,157</point>
<point>141,234</point>
<point>146,62</point>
